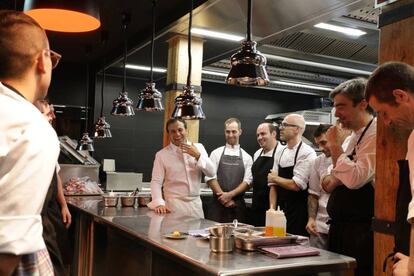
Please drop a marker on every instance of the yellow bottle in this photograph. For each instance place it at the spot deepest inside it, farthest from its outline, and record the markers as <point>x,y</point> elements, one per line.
<point>275,223</point>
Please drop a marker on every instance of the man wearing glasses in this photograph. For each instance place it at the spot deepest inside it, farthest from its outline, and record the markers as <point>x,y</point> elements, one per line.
<point>290,176</point>
<point>29,146</point>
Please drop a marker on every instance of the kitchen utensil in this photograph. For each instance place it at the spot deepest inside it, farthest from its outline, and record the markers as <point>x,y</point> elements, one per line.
<point>221,244</point>
<point>110,200</point>
<point>222,231</point>
<point>127,201</point>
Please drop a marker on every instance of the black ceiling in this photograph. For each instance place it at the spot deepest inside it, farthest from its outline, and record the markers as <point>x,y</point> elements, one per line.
<point>72,45</point>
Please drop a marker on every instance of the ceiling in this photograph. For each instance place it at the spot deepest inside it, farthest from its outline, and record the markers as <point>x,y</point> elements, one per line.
<point>314,60</point>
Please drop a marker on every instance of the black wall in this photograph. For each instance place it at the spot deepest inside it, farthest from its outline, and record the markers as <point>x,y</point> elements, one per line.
<point>136,140</point>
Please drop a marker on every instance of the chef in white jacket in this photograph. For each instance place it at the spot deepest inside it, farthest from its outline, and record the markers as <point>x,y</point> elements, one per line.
<point>177,171</point>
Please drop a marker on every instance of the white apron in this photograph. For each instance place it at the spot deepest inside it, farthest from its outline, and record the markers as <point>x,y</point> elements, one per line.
<point>186,206</point>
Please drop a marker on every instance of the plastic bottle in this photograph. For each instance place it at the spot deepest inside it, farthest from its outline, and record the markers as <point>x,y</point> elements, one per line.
<point>275,223</point>
<point>279,223</point>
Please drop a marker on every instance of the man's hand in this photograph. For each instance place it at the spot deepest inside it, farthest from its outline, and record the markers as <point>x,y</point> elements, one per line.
<point>401,267</point>
<point>66,216</point>
<point>311,227</point>
<point>224,197</point>
<point>191,150</point>
<point>272,177</point>
<point>329,183</point>
<point>231,204</point>
<point>161,209</point>
<point>336,135</point>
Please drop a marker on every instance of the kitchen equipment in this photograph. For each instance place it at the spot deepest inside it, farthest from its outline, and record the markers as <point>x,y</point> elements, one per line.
<point>222,231</point>
<point>250,238</point>
<point>110,200</point>
<point>143,200</point>
<point>128,200</point>
<point>275,223</point>
<point>221,244</point>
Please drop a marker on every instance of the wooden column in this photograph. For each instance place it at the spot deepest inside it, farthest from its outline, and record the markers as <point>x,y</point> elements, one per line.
<point>396,44</point>
<point>177,76</point>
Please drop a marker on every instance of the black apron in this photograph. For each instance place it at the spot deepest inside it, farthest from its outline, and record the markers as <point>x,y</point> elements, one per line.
<point>293,204</point>
<point>351,212</point>
<point>260,201</point>
<point>52,224</point>
<point>230,173</point>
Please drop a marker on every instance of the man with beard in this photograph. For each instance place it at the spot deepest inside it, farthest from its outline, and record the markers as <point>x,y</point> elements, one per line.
<point>233,176</point>
<point>390,91</point>
<point>262,165</point>
<point>351,183</point>
<point>289,179</point>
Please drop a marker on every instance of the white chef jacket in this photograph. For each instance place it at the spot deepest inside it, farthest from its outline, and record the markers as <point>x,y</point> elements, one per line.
<point>215,157</point>
<point>355,174</point>
<point>178,175</point>
<point>256,155</point>
<point>410,158</point>
<point>318,168</point>
<point>29,150</point>
<point>304,159</point>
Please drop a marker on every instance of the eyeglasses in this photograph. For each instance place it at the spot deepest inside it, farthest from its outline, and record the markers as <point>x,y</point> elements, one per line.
<point>285,125</point>
<point>54,57</point>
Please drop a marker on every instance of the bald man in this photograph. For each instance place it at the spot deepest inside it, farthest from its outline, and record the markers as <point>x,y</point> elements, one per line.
<point>290,176</point>
<point>29,145</point>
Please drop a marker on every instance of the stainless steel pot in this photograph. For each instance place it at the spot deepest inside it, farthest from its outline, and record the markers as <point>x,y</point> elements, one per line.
<point>127,201</point>
<point>221,244</point>
<point>110,201</point>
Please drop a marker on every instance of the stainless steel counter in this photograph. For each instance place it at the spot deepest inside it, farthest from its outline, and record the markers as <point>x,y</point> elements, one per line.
<point>141,228</point>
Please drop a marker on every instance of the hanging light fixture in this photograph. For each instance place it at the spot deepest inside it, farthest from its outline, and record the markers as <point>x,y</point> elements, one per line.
<point>248,66</point>
<point>102,128</point>
<point>150,98</point>
<point>122,106</point>
<point>188,105</point>
<point>64,16</point>
<point>86,143</point>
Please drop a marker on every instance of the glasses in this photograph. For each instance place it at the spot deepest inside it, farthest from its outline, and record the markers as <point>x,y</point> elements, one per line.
<point>54,57</point>
<point>285,125</point>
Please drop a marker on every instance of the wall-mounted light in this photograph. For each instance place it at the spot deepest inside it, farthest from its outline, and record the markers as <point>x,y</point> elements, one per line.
<point>123,106</point>
<point>248,66</point>
<point>150,99</point>
<point>188,105</point>
<point>64,15</point>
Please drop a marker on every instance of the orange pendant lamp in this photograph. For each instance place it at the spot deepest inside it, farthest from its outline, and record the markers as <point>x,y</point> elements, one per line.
<point>70,16</point>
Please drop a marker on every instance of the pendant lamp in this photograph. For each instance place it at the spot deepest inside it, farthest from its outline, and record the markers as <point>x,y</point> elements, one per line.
<point>70,16</point>
<point>248,66</point>
<point>122,106</point>
<point>102,128</point>
<point>86,143</point>
<point>188,105</point>
<point>150,98</point>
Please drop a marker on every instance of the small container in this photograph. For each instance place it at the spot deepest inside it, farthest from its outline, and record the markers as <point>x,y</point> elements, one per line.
<point>110,200</point>
<point>127,201</point>
<point>221,244</point>
<point>143,200</point>
<point>275,223</point>
<point>221,231</point>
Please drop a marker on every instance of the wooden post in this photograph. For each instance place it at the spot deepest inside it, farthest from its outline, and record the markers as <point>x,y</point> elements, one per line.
<point>177,76</point>
<point>396,44</point>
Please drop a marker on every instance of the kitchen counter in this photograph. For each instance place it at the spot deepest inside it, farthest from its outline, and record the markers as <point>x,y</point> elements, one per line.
<point>129,241</point>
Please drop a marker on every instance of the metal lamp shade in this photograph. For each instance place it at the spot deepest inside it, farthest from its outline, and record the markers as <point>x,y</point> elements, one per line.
<point>248,67</point>
<point>188,106</point>
<point>86,143</point>
<point>64,15</point>
<point>122,106</point>
<point>102,129</point>
<point>150,99</point>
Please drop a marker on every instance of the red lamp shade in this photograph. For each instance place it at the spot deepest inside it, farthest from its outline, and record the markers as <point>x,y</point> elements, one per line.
<point>71,16</point>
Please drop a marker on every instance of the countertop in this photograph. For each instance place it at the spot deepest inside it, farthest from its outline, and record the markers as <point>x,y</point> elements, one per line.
<point>145,225</point>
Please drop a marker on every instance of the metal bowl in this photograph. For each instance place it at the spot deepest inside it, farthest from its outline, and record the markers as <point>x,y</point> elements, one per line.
<point>143,200</point>
<point>110,201</point>
<point>223,231</point>
<point>127,201</point>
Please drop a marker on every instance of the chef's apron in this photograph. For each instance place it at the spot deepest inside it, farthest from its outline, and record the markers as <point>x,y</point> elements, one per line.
<point>51,217</point>
<point>230,173</point>
<point>186,206</point>
<point>260,201</point>
<point>351,212</point>
<point>293,204</point>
